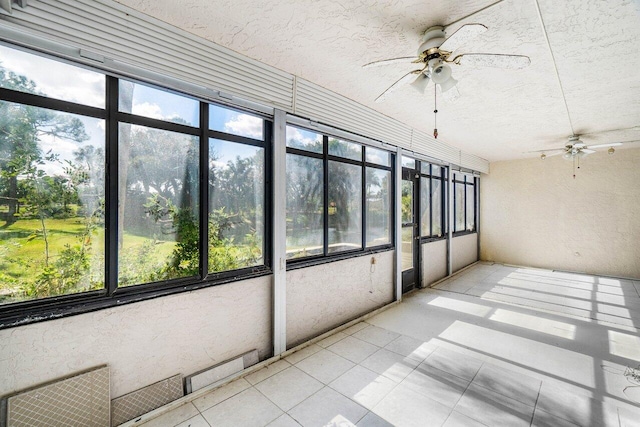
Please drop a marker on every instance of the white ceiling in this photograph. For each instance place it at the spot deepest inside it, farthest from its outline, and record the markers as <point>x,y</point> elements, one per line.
<point>501,113</point>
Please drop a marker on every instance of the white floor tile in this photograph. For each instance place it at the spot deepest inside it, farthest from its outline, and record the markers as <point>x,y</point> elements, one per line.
<point>303,353</point>
<point>355,328</point>
<point>283,420</point>
<point>453,362</point>
<point>325,366</point>
<point>353,349</point>
<point>545,419</point>
<point>456,419</point>
<point>264,373</point>
<point>328,407</point>
<point>223,393</point>
<point>197,421</point>
<point>375,335</point>
<point>174,417</point>
<point>249,408</point>
<point>493,409</point>
<point>438,385</point>
<point>363,386</point>
<point>373,420</point>
<point>517,386</point>
<point>289,387</point>
<point>391,365</point>
<point>404,407</point>
<point>331,339</point>
<point>411,347</point>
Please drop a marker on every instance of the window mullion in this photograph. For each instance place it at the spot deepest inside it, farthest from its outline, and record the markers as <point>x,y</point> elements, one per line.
<point>111,193</point>
<point>204,190</point>
<point>325,182</point>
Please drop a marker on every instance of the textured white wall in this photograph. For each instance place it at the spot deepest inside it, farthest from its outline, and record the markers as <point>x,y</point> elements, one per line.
<point>464,250</point>
<point>325,296</point>
<point>142,342</point>
<point>534,213</point>
<point>434,261</point>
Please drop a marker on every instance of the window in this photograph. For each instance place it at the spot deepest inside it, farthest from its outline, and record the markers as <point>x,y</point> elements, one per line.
<point>465,202</point>
<point>155,191</point>
<point>336,201</point>
<point>431,200</point>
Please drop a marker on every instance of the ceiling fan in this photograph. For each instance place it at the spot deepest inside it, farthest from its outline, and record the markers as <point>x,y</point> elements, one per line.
<point>576,148</point>
<point>435,53</point>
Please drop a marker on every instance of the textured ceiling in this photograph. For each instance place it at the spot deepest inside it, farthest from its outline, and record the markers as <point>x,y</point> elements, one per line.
<point>501,113</point>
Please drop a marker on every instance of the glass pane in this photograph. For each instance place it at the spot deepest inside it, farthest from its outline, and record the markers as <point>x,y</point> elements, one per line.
<point>345,207</point>
<point>304,139</point>
<point>407,248</point>
<point>378,207</point>
<point>459,207</point>
<point>436,171</point>
<point>425,220</point>
<point>378,157</point>
<point>424,167</point>
<point>234,122</point>
<point>305,206</point>
<point>236,205</point>
<point>471,225</point>
<point>346,149</point>
<point>143,100</point>
<point>407,201</point>
<point>26,72</point>
<point>52,169</point>
<point>436,206</point>
<point>158,224</point>
<point>408,162</point>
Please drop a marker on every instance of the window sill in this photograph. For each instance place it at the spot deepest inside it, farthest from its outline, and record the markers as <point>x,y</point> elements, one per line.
<point>295,264</point>
<point>463,233</point>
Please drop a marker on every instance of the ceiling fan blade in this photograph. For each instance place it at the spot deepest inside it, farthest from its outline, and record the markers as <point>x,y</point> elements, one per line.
<point>462,35</point>
<point>588,151</point>
<point>556,154</point>
<point>402,60</point>
<point>613,144</point>
<point>497,60</point>
<point>407,78</point>
<point>545,151</point>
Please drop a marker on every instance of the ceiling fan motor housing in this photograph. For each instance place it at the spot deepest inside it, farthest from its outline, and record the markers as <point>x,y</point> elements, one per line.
<point>431,39</point>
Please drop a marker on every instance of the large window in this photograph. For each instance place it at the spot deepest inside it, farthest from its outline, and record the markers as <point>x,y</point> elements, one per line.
<point>338,197</point>
<point>431,200</point>
<point>464,202</point>
<point>110,187</point>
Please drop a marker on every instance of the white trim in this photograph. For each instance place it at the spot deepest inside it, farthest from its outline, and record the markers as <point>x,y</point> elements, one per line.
<point>398,224</point>
<point>279,234</point>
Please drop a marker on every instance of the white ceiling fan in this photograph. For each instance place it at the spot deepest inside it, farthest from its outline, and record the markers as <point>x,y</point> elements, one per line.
<point>576,148</point>
<point>435,53</point>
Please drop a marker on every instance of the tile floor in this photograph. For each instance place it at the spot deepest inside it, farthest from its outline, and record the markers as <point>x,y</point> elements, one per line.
<point>491,346</point>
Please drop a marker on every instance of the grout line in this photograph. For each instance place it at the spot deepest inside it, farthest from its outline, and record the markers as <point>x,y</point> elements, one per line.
<point>535,405</point>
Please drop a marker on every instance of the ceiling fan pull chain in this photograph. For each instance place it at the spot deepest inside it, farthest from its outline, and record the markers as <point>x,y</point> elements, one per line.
<point>435,112</point>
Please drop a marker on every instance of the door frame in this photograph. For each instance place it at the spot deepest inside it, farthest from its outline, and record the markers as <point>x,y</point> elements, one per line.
<point>411,277</point>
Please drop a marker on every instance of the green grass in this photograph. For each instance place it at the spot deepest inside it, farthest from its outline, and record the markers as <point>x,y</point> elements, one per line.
<point>22,246</point>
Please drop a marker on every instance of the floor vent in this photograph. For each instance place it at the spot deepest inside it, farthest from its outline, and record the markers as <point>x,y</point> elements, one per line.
<point>220,371</point>
<point>136,403</point>
<point>81,400</point>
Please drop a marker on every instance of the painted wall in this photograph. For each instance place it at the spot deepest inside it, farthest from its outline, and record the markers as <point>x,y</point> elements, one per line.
<point>325,296</point>
<point>434,262</point>
<point>464,250</point>
<point>143,342</point>
<point>534,213</point>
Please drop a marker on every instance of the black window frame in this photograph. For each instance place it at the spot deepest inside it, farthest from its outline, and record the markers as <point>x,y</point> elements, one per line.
<point>40,309</point>
<point>326,256</point>
<point>466,182</point>
<point>430,237</point>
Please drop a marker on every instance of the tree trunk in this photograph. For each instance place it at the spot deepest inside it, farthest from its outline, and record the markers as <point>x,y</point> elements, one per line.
<point>13,200</point>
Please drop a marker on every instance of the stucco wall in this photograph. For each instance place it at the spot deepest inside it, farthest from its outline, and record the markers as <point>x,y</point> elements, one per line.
<point>322,297</point>
<point>534,213</point>
<point>142,342</point>
<point>464,250</point>
<point>434,261</point>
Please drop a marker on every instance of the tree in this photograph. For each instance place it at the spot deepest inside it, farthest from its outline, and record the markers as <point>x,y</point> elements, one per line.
<point>21,130</point>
